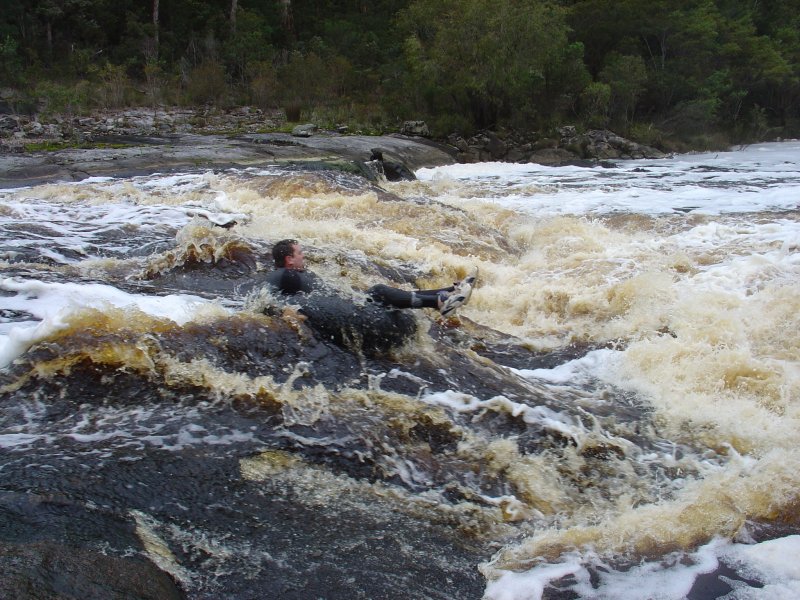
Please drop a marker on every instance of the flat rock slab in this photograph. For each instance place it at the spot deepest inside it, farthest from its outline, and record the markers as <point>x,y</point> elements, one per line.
<point>145,155</point>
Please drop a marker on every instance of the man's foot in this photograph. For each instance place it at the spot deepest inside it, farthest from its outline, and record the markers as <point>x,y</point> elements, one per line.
<point>460,295</point>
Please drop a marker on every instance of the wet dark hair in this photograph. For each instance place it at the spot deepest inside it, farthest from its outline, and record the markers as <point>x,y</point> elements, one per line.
<point>281,250</point>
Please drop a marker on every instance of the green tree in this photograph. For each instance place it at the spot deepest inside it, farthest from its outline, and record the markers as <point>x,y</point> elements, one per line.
<point>493,60</point>
<point>10,61</point>
<point>249,43</point>
<point>595,104</point>
<point>313,78</point>
<point>625,75</point>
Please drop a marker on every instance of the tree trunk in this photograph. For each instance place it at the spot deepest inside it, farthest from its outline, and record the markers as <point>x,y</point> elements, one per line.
<point>49,33</point>
<point>233,16</point>
<point>155,28</point>
<point>287,21</point>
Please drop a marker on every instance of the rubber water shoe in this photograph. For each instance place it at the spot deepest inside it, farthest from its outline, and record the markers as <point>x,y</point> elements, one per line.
<point>460,295</point>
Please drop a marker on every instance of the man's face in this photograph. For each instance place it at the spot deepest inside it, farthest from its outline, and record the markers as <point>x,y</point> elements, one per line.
<point>297,260</point>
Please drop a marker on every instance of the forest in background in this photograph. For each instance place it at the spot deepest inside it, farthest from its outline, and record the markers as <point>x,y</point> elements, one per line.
<point>701,72</point>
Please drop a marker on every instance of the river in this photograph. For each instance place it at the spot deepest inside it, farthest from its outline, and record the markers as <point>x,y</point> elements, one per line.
<point>615,413</point>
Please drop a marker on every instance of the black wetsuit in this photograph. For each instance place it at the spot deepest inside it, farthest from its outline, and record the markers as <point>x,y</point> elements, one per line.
<point>369,327</point>
<point>292,281</point>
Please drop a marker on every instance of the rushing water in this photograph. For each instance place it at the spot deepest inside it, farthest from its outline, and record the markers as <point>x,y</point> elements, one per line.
<point>615,414</point>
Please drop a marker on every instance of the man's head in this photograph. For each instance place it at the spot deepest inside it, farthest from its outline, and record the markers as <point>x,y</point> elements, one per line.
<point>288,254</point>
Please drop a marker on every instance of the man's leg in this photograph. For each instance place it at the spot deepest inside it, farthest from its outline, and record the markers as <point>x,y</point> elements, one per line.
<point>390,296</point>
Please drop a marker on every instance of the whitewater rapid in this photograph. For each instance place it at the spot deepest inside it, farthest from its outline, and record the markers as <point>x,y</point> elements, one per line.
<point>705,263</point>
<point>663,294</point>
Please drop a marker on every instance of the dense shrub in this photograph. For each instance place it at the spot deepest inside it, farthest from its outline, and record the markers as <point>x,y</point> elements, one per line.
<point>206,83</point>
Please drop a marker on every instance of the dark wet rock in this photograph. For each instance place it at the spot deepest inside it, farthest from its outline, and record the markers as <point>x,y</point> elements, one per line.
<point>80,553</point>
<point>551,156</point>
<point>342,549</point>
<point>52,570</point>
<point>720,583</point>
<point>36,571</point>
<point>144,141</point>
<point>392,170</point>
<point>495,146</point>
<point>350,545</point>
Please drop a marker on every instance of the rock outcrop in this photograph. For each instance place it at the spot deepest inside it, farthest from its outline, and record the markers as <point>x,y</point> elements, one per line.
<point>415,128</point>
<point>567,147</point>
<point>17,129</point>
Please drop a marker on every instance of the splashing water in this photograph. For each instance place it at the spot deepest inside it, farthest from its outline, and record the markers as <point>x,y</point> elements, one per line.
<point>614,415</point>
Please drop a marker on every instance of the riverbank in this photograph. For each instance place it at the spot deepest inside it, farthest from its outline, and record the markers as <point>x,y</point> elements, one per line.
<point>143,155</point>
<point>137,142</point>
<point>141,141</point>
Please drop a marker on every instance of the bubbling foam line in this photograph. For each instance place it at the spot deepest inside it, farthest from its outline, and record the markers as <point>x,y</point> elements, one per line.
<point>547,418</point>
<point>103,432</point>
<point>68,232</point>
<point>671,578</point>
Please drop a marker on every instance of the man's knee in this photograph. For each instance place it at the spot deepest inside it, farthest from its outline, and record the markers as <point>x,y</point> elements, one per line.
<point>378,292</point>
<point>390,296</point>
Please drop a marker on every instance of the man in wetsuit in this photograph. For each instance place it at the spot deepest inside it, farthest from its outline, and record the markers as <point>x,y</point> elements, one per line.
<point>290,277</point>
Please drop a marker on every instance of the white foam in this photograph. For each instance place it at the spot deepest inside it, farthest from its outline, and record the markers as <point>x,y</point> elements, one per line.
<point>541,415</point>
<point>51,303</point>
<point>82,228</point>
<point>530,584</point>
<point>779,558</point>
<point>99,428</point>
<point>776,563</point>
<point>773,563</point>
<point>106,217</point>
<point>758,178</point>
<point>186,181</point>
<point>586,368</point>
<point>671,578</point>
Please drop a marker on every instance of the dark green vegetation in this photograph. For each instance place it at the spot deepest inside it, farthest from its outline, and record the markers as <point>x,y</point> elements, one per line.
<point>699,71</point>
